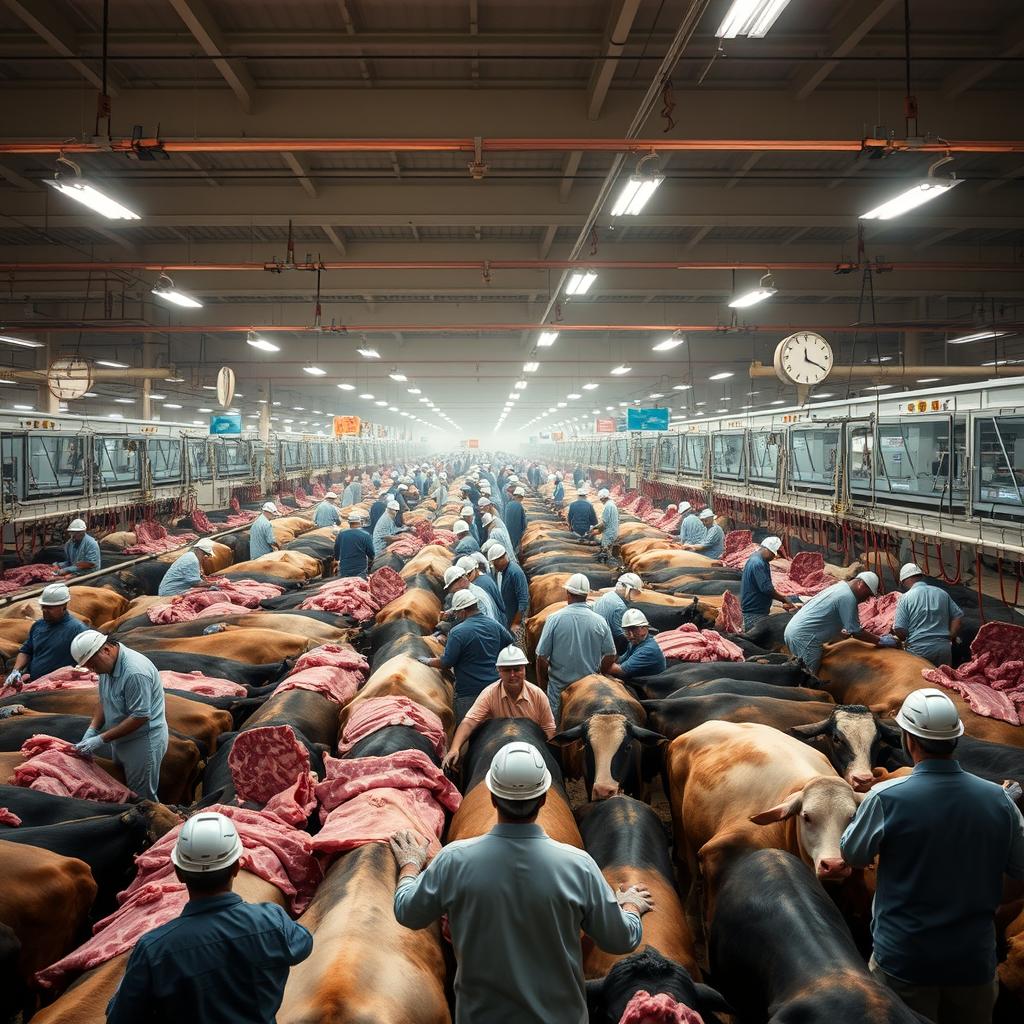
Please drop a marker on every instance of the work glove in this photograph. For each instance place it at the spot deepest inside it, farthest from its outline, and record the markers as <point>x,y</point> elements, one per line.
<point>1013,790</point>
<point>14,679</point>
<point>888,641</point>
<point>408,849</point>
<point>217,627</point>
<point>424,660</point>
<point>638,895</point>
<point>88,745</point>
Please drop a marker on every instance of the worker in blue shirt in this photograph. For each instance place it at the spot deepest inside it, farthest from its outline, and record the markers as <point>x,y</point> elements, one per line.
<point>607,530</point>
<point>326,513</point>
<point>456,578</point>
<point>580,515</point>
<point>611,606</point>
<point>515,517</point>
<point>188,570</point>
<point>130,716</point>
<point>81,552</point>
<point>558,494</point>
<point>378,508</point>
<point>465,542</point>
<point>712,544</point>
<point>643,656</point>
<point>353,548</point>
<point>944,839</point>
<point>353,493</point>
<point>515,591</point>
<point>387,530</point>
<point>222,959</point>
<point>757,591</point>
<point>468,515</point>
<point>475,567</point>
<point>927,618</point>
<point>691,530</point>
<point>261,534</point>
<point>471,650</point>
<point>48,646</point>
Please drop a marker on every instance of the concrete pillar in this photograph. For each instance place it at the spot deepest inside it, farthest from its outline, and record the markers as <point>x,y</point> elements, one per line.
<point>147,384</point>
<point>46,401</point>
<point>264,426</point>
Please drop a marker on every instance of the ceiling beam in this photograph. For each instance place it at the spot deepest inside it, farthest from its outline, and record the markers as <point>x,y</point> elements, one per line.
<point>935,239</point>
<point>335,238</point>
<point>748,166</point>
<point>199,21</point>
<point>189,159</point>
<point>545,244</point>
<point>115,237</point>
<point>570,166</point>
<point>350,29</point>
<point>620,22</point>
<point>856,21</point>
<point>1011,44</point>
<point>1010,175</point>
<point>300,169</point>
<point>699,235</point>
<point>15,179</point>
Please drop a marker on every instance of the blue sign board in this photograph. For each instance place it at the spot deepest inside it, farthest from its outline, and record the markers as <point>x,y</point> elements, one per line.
<point>225,424</point>
<point>647,419</point>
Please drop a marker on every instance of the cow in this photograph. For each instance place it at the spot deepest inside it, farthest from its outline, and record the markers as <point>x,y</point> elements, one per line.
<point>678,675</point>
<point>309,712</point>
<point>35,808</point>
<point>255,677</point>
<point>418,605</point>
<point>296,625</point>
<point>404,676</point>
<point>781,953</point>
<point>549,587</point>
<point>603,730</point>
<point>748,688</point>
<point>255,646</point>
<point>402,636</point>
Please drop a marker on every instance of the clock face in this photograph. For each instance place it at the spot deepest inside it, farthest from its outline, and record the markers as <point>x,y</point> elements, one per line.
<point>803,358</point>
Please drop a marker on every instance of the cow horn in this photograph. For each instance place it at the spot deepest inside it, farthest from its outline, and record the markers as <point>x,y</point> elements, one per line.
<point>808,732</point>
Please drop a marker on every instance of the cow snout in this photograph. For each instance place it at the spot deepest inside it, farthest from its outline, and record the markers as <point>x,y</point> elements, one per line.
<point>605,790</point>
<point>860,781</point>
<point>833,868</point>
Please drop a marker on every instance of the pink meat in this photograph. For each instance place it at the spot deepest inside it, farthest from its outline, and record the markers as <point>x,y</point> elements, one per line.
<point>25,575</point>
<point>151,538</point>
<point>302,499</point>
<point>337,684</point>
<point>406,546</point>
<point>739,546</point>
<point>386,585</point>
<point>878,613</point>
<point>644,1008</point>
<point>688,643</point>
<point>232,597</point>
<point>68,678</point>
<point>201,522</point>
<point>196,682</point>
<point>730,618</point>
<point>361,599</point>
<point>53,766</point>
<point>270,766</point>
<point>318,490</point>
<point>9,818</point>
<point>380,712</point>
<point>366,799</point>
<point>336,655</point>
<point>992,682</point>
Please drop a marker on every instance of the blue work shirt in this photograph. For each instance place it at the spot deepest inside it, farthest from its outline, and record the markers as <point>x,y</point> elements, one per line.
<point>487,584</point>
<point>581,517</point>
<point>497,532</point>
<point>440,494</point>
<point>515,522</point>
<point>925,612</point>
<point>559,491</point>
<point>471,652</point>
<point>515,592</point>
<point>223,961</point>
<point>713,543</point>
<point>326,514</point>
<point>944,839</point>
<point>692,530</point>
<point>386,527</point>
<point>574,640</point>
<point>184,574</point>
<point>610,522</point>
<point>132,689</point>
<point>353,551</point>
<point>821,619</point>
<point>49,647</point>
<point>85,550</point>
<point>756,587</point>
<point>353,493</point>
<point>377,509</point>
<point>467,545</point>
<point>261,537</point>
<point>642,659</point>
<point>611,608</point>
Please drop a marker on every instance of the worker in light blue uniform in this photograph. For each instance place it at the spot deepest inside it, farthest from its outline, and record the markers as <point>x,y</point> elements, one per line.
<point>261,534</point>
<point>757,591</point>
<point>643,656</point>
<point>468,515</point>
<point>378,508</point>
<point>691,530</point>
<point>353,548</point>
<point>326,513</point>
<point>612,605</point>
<point>496,531</point>
<point>387,529</point>
<point>440,492</point>
<point>515,517</point>
<point>476,566</point>
<point>607,530</point>
<point>712,544</point>
<point>81,552</point>
<point>512,583</point>
<point>828,616</point>
<point>927,619</point>
<point>48,645</point>
<point>944,840</point>
<point>130,716</point>
<point>465,542</point>
<point>581,515</point>
<point>558,494</point>
<point>187,571</point>
<point>353,493</point>
<point>455,579</point>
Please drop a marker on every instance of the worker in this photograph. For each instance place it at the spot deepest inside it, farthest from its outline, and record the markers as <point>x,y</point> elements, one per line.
<point>712,544</point>
<point>222,958</point>
<point>757,591</point>
<point>510,697</point>
<point>828,616</point>
<point>418,479</point>
<point>353,548</point>
<point>496,531</point>
<point>944,839</point>
<point>81,552</point>
<point>378,508</point>
<point>440,492</point>
<point>691,530</point>
<point>580,515</point>
<point>530,972</point>
<point>456,579</point>
<point>515,517</point>
<point>130,716</point>
<point>353,493</point>
<point>387,530</point>
<point>326,513</point>
<point>465,542</point>
<point>471,649</point>
<point>607,530</point>
<point>468,515</point>
<point>611,605</point>
<point>476,566</point>
<point>575,642</point>
<point>927,619</point>
<point>48,645</point>
<point>578,476</point>
<point>643,656</point>
<point>558,493</point>
<point>512,585</point>
<point>188,570</point>
<point>261,534</point>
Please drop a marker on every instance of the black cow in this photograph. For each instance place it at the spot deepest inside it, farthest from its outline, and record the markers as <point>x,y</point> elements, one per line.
<point>36,808</point>
<point>390,740</point>
<point>392,638</point>
<point>790,674</point>
<point>219,668</point>
<point>490,737</point>
<point>749,688</point>
<point>770,632</point>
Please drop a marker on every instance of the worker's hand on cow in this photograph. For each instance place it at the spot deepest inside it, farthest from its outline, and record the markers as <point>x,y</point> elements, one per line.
<point>409,850</point>
<point>88,745</point>
<point>424,660</point>
<point>888,641</point>
<point>14,679</point>
<point>1013,789</point>
<point>636,896</point>
<point>450,761</point>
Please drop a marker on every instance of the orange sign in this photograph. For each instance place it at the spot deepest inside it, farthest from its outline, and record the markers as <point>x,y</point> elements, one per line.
<point>603,426</point>
<point>473,442</point>
<point>346,426</point>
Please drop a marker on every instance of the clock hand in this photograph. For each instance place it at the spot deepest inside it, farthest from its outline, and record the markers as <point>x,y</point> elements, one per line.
<point>807,359</point>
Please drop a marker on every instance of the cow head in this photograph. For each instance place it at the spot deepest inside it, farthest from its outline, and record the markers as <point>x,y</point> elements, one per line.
<point>611,748</point>
<point>821,810</point>
<point>698,614</point>
<point>850,736</point>
<point>159,818</point>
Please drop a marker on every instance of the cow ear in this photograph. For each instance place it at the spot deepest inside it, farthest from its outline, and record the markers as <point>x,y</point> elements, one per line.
<point>648,737</point>
<point>890,732</point>
<point>710,1000</point>
<point>780,812</point>
<point>809,732</point>
<point>570,736</point>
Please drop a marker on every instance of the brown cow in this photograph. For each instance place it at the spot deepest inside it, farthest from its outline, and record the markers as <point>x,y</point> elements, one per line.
<point>431,560</point>
<point>252,646</point>
<point>419,606</point>
<point>296,625</point>
<point>669,559</point>
<point>221,558</point>
<point>1011,970</point>
<point>404,676</point>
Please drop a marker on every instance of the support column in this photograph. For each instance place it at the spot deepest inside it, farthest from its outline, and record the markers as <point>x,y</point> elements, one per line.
<point>264,425</point>
<point>46,401</point>
<point>147,384</point>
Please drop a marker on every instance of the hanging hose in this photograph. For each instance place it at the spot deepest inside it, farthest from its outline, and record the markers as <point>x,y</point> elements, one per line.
<point>978,569</point>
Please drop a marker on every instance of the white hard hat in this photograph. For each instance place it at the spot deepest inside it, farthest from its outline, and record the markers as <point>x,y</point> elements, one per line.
<point>205,545</point>
<point>460,527</point>
<point>402,487</point>
<point>487,545</point>
<point>581,491</point>
<point>485,487</point>
<point>76,524</point>
<point>442,476</point>
<point>707,514</point>
<point>496,552</point>
<point>487,519</point>
<point>684,506</point>
<point>330,496</point>
<point>55,594</point>
<point>578,584</point>
<point>511,655</point>
<point>393,505</point>
<point>772,544</point>
<point>519,491</point>
<point>551,476</point>
<point>518,772</point>
<point>931,715</point>
<point>633,617</point>
<point>451,574</point>
<point>394,474</point>
<point>604,493</point>
<point>86,644</point>
<point>468,563</point>
<point>910,570</point>
<point>463,599</point>
<point>356,516</point>
<point>480,559</point>
<point>513,479</point>
<point>484,502</point>
<point>870,579</point>
<point>207,842</point>
<point>269,506</point>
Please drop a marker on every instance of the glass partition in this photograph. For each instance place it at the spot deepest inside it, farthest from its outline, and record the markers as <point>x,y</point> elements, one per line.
<point>293,454</point>
<point>695,447</point>
<point>812,457</point>
<point>763,454</point>
<point>53,465</point>
<point>233,458</point>
<point>164,459</point>
<point>999,465</point>
<point>668,456</point>
<point>727,455</point>
<point>199,467</point>
<point>117,461</point>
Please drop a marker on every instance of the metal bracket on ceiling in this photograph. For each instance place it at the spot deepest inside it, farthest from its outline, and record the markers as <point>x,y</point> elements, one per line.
<point>477,168</point>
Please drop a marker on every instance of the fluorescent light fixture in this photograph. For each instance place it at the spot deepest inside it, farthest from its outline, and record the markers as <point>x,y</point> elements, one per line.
<point>174,380</point>
<point>681,387</point>
<point>164,289</point>
<point>879,387</point>
<point>425,400</point>
<point>618,371</point>
<point>935,380</point>
<point>746,407</point>
<point>314,371</point>
<point>88,195</point>
<point>991,362</point>
<point>579,282</point>
<point>750,18</point>
<point>963,339</point>
<point>778,401</point>
<point>367,396</point>
<point>400,377</point>
<point>392,408</point>
<point>635,193</point>
<point>368,353</point>
<point>547,339</point>
<point>172,405</point>
<point>204,408</point>
<point>912,198</point>
<point>765,290</point>
<point>347,387</point>
<point>209,387</point>
<point>157,398</point>
<point>114,416</point>
<point>701,403</point>
<point>669,343</point>
<point>298,408</point>
<point>879,359</point>
<point>531,367</point>
<point>520,385</point>
<point>8,339</point>
<point>724,375</point>
<point>380,401</point>
<point>112,363</point>
<point>573,395</point>
<point>262,344</point>
<point>414,391</point>
<point>591,387</point>
<point>23,408</point>
<point>655,394</point>
<point>4,380</point>
<point>825,394</point>
<point>721,410</point>
<point>561,405</point>
<point>125,401</point>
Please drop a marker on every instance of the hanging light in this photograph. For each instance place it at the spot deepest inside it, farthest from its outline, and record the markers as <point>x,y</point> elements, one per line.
<point>750,18</point>
<point>77,188</point>
<point>671,342</point>
<point>164,289</point>
<point>637,190</point>
<point>915,196</point>
<point>765,290</point>
<point>579,282</point>
<point>314,371</point>
<point>547,339</point>
<point>254,340</point>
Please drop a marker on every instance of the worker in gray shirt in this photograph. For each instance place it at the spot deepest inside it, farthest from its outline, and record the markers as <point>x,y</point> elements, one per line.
<point>516,902</point>
<point>927,618</point>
